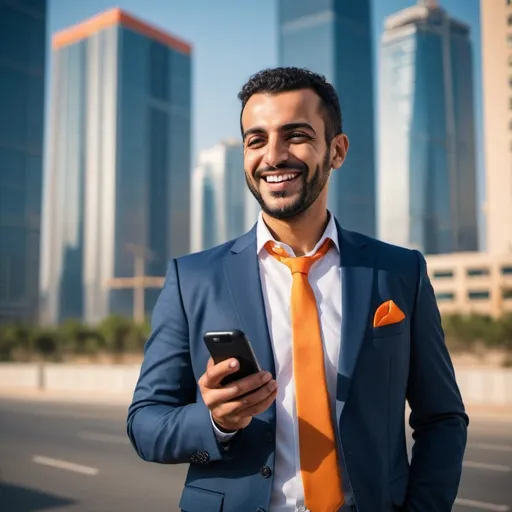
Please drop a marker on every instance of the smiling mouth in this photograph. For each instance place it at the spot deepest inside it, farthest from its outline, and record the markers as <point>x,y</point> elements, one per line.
<point>279,178</point>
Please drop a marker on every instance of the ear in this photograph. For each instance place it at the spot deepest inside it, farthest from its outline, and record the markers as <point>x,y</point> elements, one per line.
<point>339,149</point>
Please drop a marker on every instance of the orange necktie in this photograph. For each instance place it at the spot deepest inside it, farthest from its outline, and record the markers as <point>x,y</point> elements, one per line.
<point>319,464</point>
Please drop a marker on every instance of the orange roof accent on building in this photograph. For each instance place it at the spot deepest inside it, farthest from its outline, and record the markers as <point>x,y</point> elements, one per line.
<point>117,17</point>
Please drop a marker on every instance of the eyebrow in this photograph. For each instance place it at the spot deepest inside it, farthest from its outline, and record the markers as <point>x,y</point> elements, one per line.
<point>285,128</point>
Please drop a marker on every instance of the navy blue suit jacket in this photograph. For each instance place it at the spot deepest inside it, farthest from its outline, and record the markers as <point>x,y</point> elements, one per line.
<point>379,370</point>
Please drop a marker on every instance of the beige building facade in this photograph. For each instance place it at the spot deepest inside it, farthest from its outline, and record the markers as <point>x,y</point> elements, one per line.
<point>496,20</point>
<point>472,283</point>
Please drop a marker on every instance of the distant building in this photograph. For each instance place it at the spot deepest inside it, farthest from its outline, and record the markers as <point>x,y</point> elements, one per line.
<point>496,19</point>
<point>427,165</point>
<point>472,283</point>
<point>119,163</point>
<point>222,206</point>
<point>334,38</point>
<point>22,92</point>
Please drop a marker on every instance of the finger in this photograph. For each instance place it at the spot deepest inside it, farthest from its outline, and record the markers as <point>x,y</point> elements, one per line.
<point>216,372</point>
<point>231,392</point>
<point>249,384</point>
<point>259,395</point>
<point>259,407</point>
<point>210,363</point>
<point>228,408</point>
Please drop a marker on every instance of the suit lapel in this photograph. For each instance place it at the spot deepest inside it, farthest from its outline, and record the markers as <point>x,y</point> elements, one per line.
<point>243,277</point>
<point>357,283</point>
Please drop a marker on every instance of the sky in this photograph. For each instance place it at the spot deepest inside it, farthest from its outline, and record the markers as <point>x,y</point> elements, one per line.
<point>232,39</point>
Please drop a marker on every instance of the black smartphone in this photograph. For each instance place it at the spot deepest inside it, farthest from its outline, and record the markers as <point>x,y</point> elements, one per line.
<point>224,345</point>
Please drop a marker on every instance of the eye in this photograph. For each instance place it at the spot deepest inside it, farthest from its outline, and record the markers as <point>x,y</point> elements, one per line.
<point>254,141</point>
<point>298,135</point>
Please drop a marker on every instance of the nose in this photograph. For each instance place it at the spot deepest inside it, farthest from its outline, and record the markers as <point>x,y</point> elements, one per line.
<point>276,152</point>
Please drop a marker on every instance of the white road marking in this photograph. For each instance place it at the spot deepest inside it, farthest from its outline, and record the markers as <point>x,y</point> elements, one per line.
<point>489,467</point>
<point>62,464</point>
<point>481,505</point>
<point>103,438</point>
<point>492,447</point>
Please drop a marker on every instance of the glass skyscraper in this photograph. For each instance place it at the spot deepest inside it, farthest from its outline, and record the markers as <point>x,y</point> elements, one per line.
<point>119,163</point>
<point>334,38</point>
<point>427,174</point>
<point>22,90</point>
<point>222,205</point>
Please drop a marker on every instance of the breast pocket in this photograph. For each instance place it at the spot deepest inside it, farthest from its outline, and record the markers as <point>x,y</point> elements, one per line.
<point>390,337</point>
<point>391,330</point>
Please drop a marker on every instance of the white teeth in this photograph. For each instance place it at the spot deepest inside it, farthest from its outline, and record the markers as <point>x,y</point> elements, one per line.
<point>281,177</point>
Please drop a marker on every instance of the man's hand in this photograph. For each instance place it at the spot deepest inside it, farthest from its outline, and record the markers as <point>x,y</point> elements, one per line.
<point>229,409</point>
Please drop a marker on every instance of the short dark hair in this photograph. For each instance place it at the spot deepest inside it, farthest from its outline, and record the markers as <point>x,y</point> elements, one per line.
<point>283,79</point>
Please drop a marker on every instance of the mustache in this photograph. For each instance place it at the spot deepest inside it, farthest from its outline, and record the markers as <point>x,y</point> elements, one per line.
<point>296,166</point>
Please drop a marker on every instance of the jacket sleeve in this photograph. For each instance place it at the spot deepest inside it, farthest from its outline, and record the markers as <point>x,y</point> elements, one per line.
<point>438,417</point>
<point>165,423</point>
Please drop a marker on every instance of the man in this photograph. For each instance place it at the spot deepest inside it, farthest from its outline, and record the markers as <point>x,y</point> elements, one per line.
<point>346,329</point>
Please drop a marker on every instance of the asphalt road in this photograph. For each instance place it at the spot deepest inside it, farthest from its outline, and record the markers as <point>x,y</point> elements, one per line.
<point>66,457</point>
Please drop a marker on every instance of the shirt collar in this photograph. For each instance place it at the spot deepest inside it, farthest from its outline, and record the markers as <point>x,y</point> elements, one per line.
<point>263,235</point>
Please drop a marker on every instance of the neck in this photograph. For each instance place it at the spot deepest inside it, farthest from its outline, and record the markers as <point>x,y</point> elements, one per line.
<point>302,232</point>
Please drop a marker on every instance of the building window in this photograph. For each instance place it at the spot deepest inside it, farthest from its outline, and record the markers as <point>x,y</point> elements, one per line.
<point>478,295</point>
<point>445,296</point>
<point>443,274</point>
<point>476,272</point>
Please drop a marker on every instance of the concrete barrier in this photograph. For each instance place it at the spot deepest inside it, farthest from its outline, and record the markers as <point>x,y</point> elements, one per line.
<point>91,378</point>
<point>479,386</point>
<point>486,386</point>
<point>20,376</point>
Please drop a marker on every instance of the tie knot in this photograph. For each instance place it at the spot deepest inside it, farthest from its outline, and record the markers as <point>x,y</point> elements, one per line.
<point>301,264</point>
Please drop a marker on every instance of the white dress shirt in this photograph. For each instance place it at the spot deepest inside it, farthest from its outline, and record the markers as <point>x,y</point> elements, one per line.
<point>276,281</point>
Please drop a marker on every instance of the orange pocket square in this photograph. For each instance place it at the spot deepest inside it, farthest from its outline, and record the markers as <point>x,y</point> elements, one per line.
<point>387,313</point>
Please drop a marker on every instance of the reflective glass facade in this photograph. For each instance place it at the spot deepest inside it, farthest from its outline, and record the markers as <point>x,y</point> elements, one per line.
<point>222,206</point>
<point>22,89</point>
<point>119,170</point>
<point>427,175</point>
<point>334,38</point>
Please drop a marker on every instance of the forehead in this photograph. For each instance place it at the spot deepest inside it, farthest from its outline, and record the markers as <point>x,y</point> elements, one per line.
<point>272,110</point>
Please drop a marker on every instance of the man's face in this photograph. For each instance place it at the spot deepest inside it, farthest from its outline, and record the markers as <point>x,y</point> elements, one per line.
<point>286,158</point>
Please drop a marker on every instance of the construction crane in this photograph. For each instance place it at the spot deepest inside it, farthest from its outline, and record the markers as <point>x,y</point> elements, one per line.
<point>139,282</point>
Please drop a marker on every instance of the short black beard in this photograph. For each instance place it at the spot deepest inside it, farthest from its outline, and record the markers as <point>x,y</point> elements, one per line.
<point>309,194</point>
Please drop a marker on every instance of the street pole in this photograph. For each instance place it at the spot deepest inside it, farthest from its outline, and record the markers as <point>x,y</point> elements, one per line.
<point>139,289</point>
<point>140,256</point>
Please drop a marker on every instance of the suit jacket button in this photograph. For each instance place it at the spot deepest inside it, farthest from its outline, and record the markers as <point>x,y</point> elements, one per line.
<point>265,471</point>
